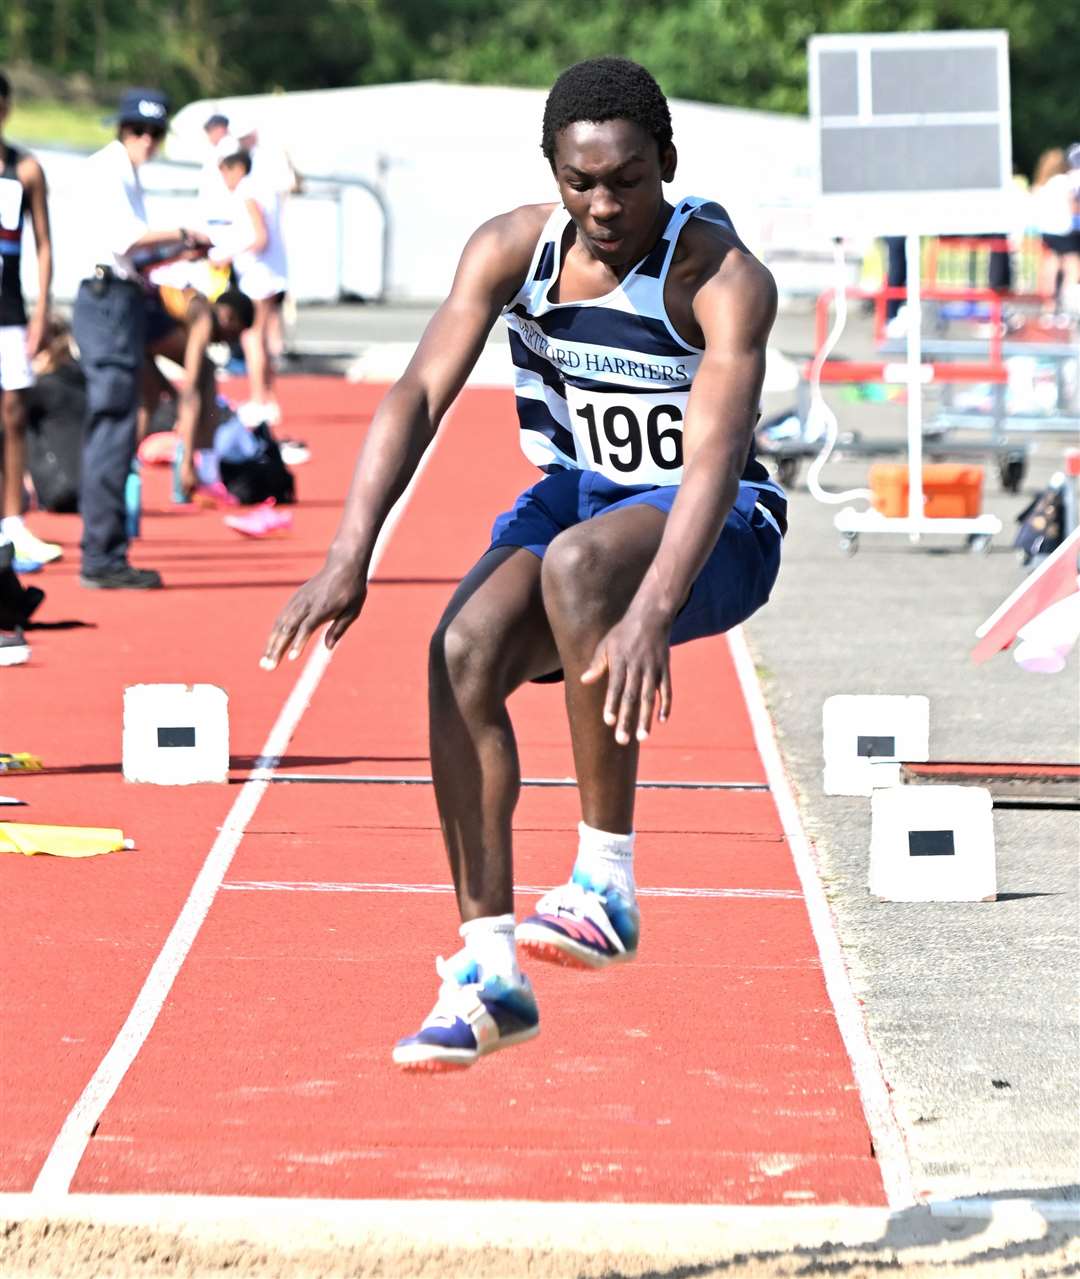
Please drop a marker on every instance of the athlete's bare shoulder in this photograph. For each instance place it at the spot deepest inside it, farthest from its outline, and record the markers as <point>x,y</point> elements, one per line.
<point>499,252</point>
<point>709,247</point>
<point>714,270</point>
<point>516,231</point>
<point>28,170</point>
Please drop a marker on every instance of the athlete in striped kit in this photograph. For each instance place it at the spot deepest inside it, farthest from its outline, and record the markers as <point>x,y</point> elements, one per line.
<point>638,331</point>
<point>22,193</point>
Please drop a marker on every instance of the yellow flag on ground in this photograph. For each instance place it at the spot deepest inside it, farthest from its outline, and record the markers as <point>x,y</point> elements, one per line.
<point>21,761</point>
<point>60,841</point>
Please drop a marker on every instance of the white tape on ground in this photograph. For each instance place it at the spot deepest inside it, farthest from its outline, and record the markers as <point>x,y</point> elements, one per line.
<point>889,1145</point>
<point>54,1179</point>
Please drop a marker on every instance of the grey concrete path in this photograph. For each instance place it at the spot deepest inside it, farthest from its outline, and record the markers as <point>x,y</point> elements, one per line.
<point>972,1008</point>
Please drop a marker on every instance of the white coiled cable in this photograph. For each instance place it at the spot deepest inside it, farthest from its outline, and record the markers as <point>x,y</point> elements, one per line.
<point>819,411</point>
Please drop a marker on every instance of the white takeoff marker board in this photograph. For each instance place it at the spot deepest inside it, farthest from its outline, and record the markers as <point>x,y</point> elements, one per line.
<point>933,844</point>
<point>913,132</point>
<point>176,734</point>
<point>865,737</point>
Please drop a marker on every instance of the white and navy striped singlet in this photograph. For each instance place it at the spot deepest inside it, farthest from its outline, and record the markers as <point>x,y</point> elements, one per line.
<point>603,384</point>
<point>12,213</point>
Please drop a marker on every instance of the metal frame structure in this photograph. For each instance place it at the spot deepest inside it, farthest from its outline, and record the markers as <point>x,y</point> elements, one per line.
<point>909,209</point>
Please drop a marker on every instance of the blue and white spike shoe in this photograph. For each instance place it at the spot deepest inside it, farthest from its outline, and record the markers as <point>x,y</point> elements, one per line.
<point>581,925</point>
<point>470,1019</point>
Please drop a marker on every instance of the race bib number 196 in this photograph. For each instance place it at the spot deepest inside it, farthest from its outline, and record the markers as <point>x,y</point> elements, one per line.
<point>632,439</point>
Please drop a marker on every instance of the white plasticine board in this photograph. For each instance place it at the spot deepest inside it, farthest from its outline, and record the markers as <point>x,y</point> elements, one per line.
<point>932,844</point>
<point>176,734</point>
<point>865,736</point>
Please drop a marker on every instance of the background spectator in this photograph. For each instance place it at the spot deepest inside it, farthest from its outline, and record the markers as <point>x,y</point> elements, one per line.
<point>258,259</point>
<point>22,191</point>
<point>1055,205</point>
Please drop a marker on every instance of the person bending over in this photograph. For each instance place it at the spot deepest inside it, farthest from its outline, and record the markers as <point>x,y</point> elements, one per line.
<point>181,324</point>
<point>638,328</point>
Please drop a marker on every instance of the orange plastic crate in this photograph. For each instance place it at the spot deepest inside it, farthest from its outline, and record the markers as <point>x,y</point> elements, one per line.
<point>953,490</point>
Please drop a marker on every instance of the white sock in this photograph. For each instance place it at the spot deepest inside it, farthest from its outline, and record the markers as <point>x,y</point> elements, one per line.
<point>489,943</point>
<point>606,860</point>
<point>11,525</point>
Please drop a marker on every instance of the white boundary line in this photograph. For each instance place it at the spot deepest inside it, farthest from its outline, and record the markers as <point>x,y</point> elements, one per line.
<point>54,1180</point>
<point>668,1232</point>
<point>359,886</point>
<point>889,1145</point>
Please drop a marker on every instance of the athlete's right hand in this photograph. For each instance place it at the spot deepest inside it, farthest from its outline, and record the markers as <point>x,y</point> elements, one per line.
<point>335,594</point>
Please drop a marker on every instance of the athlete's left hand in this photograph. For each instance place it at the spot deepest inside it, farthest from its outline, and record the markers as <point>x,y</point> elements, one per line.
<point>635,655</point>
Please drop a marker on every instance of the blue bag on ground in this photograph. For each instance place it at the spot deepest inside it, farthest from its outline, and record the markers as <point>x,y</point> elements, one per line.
<point>251,465</point>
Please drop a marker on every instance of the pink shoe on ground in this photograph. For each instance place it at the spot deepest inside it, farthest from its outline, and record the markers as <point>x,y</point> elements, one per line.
<point>261,521</point>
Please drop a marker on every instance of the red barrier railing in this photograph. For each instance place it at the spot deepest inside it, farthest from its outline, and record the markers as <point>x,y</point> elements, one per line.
<point>994,371</point>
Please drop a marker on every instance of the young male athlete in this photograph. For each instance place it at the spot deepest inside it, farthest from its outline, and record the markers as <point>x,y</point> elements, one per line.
<point>638,331</point>
<point>22,193</point>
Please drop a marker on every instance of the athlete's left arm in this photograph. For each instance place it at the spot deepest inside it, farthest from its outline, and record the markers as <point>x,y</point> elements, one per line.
<point>33,180</point>
<point>735,308</point>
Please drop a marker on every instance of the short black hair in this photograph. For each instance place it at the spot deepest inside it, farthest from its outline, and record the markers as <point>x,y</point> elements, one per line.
<point>601,89</point>
<point>239,156</point>
<point>240,303</point>
<point>5,86</point>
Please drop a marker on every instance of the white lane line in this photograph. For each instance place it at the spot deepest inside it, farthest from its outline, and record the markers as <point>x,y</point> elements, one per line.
<point>58,1170</point>
<point>889,1145</point>
<point>401,779</point>
<point>351,886</point>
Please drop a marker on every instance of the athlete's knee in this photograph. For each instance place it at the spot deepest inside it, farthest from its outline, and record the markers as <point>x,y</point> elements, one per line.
<point>462,659</point>
<point>578,571</point>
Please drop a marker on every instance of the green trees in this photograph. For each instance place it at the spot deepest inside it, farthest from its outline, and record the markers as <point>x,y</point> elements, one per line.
<point>739,52</point>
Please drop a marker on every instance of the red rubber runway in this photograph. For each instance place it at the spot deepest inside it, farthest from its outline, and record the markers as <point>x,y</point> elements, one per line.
<point>711,1070</point>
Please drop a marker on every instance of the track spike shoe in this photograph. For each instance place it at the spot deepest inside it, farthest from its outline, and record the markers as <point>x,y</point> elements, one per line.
<point>470,1019</point>
<point>581,925</point>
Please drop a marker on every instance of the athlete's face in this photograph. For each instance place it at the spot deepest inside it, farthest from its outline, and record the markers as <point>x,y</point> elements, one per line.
<point>611,178</point>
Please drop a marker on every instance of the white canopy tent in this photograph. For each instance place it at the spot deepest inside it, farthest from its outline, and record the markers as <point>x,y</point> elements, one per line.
<point>445,157</point>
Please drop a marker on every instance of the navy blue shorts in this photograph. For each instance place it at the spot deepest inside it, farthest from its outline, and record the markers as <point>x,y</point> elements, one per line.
<point>735,580</point>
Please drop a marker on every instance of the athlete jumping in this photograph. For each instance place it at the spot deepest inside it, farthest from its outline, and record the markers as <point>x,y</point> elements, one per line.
<point>638,331</point>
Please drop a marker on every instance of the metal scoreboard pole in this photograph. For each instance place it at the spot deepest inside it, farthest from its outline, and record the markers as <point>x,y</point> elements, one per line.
<point>913,138</point>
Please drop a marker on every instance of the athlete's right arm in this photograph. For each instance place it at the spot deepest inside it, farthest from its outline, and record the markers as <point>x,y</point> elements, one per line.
<point>491,270</point>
